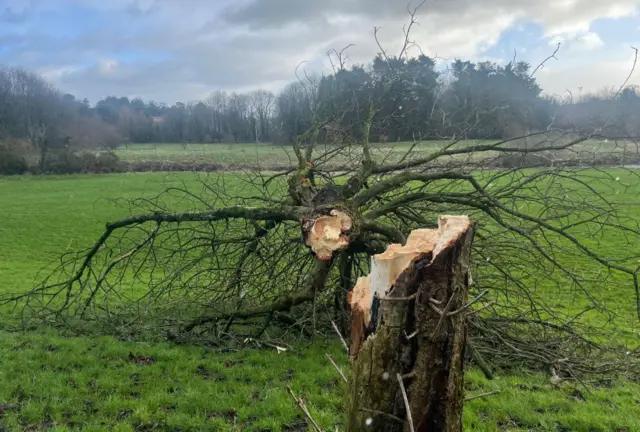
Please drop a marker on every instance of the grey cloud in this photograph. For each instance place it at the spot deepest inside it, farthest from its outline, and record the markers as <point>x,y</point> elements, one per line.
<point>197,68</point>
<point>274,13</point>
<point>270,13</point>
<point>221,45</point>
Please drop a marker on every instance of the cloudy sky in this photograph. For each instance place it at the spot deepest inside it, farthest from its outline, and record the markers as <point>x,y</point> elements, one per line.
<point>169,50</point>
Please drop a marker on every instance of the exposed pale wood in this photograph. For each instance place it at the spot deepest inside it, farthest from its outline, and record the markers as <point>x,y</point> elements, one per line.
<point>359,300</point>
<point>327,234</point>
<point>387,266</point>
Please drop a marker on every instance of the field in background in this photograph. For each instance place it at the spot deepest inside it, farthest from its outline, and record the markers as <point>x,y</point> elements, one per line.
<point>225,154</point>
<point>50,382</point>
<point>244,154</point>
<point>267,155</point>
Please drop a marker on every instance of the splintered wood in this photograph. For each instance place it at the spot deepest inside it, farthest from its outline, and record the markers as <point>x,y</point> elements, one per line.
<point>387,266</point>
<point>396,331</point>
<point>328,234</point>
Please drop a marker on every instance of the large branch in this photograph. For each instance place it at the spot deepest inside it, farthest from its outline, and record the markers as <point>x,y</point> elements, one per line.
<point>562,232</point>
<point>389,232</point>
<point>496,147</point>
<point>490,204</point>
<point>236,212</point>
<point>404,200</point>
<point>400,180</point>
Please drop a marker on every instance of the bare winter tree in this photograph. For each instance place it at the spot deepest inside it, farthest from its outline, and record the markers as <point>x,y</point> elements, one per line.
<point>261,106</point>
<point>33,110</point>
<point>247,253</point>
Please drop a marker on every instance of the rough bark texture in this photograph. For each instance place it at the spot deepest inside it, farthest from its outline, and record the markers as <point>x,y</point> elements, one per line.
<point>405,335</point>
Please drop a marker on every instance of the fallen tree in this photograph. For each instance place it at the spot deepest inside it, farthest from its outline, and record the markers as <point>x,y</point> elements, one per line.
<point>246,254</point>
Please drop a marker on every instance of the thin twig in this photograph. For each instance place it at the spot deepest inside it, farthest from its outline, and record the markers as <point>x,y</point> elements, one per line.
<point>408,375</point>
<point>469,304</point>
<point>470,398</point>
<point>304,410</point>
<point>372,411</point>
<point>382,51</point>
<point>410,336</point>
<point>436,310</point>
<point>335,327</point>
<point>397,299</point>
<point>406,402</point>
<point>552,56</point>
<point>344,378</point>
<point>444,312</point>
<point>633,68</point>
<point>488,305</point>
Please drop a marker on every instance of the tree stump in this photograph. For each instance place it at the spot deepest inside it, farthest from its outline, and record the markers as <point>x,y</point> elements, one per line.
<point>408,325</point>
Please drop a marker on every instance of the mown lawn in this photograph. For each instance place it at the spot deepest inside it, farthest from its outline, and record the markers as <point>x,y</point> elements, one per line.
<point>52,382</point>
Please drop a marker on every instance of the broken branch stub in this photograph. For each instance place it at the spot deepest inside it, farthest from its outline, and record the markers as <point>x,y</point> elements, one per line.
<point>326,234</point>
<point>396,328</point>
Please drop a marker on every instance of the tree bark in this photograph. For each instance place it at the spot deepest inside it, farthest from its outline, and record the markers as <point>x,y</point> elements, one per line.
<point>408,320</point>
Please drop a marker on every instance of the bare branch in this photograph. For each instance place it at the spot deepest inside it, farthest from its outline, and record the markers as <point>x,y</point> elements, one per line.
<point>406,402</point>
<point>543,62</point>
<point>301,405</point>
<point>481,395</point>
<point>344,378</point>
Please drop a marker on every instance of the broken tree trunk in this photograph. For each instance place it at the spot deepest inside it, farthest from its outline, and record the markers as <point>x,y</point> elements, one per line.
<point>408,332</point>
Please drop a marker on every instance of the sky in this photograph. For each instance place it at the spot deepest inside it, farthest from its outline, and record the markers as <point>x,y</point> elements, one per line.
<point>183,50</point>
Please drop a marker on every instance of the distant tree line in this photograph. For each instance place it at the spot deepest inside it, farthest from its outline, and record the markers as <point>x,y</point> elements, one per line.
<point>222,117</point>
<point>43,130</point>
<point>410,94</point>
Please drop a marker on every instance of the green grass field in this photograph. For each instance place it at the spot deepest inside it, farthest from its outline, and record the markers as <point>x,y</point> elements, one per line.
<point>224,154</point>
<point>244,154</point>
<point>267,155</point>
<point>52,382</point>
